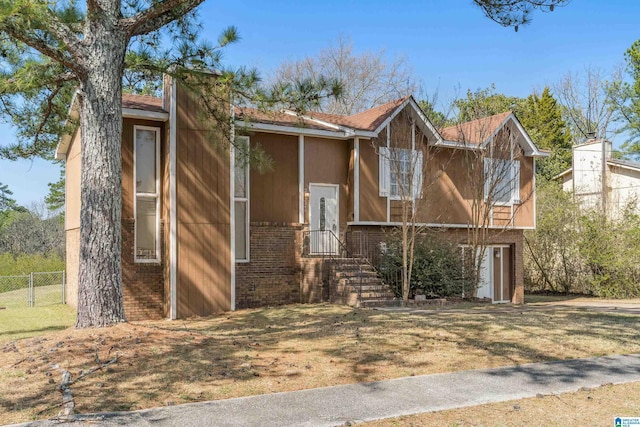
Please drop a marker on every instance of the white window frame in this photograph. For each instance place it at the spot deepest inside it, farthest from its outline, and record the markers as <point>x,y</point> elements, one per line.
<point>514,182</point>
<point>149,196</point>
<point>243,199</point>
<point>415,168</point>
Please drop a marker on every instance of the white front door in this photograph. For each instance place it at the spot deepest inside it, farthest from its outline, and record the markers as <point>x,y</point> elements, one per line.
<point>323,219</point>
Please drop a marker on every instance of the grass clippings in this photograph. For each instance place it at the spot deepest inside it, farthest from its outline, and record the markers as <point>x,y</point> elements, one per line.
<point>289,348</point>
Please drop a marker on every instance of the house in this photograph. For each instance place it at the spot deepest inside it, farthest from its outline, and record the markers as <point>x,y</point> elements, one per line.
<point>204,233</point>
<point>599,181</point>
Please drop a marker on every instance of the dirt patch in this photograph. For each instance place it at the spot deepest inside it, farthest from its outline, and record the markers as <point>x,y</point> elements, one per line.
<point>288,348</point>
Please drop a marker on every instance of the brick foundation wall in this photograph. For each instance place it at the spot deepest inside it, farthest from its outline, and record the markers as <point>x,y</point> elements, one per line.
<point>376,234</point>
<point>143,283</point>
<point>314,284</point>
<point>272,277</point>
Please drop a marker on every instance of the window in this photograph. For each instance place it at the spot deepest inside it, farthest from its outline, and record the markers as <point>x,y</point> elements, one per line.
<point>400,173</point>
<point>502,181</point>
<point>146,160</point>
<point>241,197</point>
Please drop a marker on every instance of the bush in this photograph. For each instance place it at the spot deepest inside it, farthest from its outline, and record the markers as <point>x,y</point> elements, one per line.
<point>437,268</point>
<point>25,264</point>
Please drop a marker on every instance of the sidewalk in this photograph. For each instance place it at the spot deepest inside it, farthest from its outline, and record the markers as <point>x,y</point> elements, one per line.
<point>336,406</point>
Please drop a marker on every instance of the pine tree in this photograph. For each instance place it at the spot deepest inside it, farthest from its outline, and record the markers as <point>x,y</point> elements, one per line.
<point>541,116</point>
<point>51,50</point>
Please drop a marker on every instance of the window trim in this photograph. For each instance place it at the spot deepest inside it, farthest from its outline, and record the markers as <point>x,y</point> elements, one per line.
<point>514,182</point>
<point>415,173</point>
<point>148,196</point>
<point>245,199</point>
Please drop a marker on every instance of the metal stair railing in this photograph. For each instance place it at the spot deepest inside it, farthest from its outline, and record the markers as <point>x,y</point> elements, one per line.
<point>326,244</point>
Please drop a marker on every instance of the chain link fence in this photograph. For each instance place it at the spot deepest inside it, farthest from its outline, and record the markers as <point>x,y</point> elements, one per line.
<point>32,290</point>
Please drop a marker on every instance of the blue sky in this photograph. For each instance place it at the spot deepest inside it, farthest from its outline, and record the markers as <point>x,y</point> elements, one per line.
<point>448,43</point>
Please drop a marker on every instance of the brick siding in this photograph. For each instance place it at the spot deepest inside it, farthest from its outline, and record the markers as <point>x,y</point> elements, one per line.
<point>143,283</point>
<point>272,277</point>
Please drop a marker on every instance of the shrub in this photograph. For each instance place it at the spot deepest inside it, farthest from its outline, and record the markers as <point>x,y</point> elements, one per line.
<point>25,264</point>
<point>437,268</point>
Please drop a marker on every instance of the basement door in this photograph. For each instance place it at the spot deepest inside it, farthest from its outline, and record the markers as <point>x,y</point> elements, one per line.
<point>323,219</point>
<point>497,274</point>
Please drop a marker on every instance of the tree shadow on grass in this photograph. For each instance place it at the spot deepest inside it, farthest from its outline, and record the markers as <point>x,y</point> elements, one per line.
<point>295,347</point>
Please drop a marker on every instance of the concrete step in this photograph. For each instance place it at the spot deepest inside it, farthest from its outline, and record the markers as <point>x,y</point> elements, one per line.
<point>357,281</point>
<point>380,303</point>
<point>365,296</point>
<point>355,273</point>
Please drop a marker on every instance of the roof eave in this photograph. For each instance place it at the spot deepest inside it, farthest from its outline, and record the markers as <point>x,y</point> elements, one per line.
<point>298,130</point>
<point>623,165</point>
<point>561,174</point>
<point>134,113</point>
<point>417,110</point>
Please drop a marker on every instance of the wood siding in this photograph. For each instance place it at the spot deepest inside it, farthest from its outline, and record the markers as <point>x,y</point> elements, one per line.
<point>72,218</point>
<point>72,183</point>
<point>274,193</point>
<point>372,206</point>
<point>327,162</point>
<point>448,191</point>
<point>203,215</point>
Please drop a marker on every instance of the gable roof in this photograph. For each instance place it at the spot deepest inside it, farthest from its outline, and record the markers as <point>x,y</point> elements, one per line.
<point>368,120</point>
<point>476,131</point>
<point>366,124</point>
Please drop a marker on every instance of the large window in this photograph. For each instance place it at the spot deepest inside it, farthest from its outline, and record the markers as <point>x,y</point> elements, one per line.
<point>241,198</point>
<point>502,181</point>
<point>400,173</point>
<point>146,160</point>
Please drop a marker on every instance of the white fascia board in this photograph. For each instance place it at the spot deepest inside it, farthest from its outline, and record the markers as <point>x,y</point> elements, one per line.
<point>623,166</point>
<point>425,120</point>
<point>133,113</point>
<point>434,225</point>
<point>561,174</point>
<point>320,122</point>
<point>409,101</point>
<point>294,130</point>
<point>532,150</point>
<point>458,145</point>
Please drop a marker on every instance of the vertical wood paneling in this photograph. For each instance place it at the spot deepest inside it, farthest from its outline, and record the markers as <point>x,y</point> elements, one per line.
<point>203,216</point>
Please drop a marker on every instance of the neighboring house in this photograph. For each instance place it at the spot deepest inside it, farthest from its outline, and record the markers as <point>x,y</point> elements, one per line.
<point>202,234</point>
<point>618,192</point>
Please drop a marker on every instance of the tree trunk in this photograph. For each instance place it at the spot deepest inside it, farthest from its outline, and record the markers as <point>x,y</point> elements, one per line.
<point>100,272</point>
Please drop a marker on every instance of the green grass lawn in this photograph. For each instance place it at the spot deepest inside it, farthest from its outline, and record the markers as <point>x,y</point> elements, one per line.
<point>18,320</point>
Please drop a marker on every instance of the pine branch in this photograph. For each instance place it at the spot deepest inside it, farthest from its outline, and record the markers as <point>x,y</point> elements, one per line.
<point>37,43</point>
<point>157,16</point>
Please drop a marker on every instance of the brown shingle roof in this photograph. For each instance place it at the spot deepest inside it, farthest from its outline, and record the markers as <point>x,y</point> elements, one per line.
<point>142,102</point>
<point>368,120</point>
<point>476,131</point>
<point>276,118</point>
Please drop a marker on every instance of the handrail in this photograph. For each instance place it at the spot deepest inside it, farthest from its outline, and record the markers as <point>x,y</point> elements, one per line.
<point>333,243</point>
